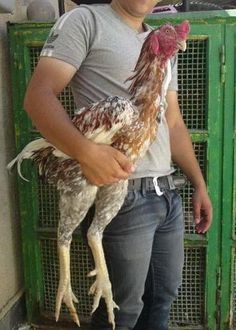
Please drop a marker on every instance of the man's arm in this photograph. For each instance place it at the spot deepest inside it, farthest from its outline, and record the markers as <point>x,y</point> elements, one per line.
<point>183,155</point>
<point>101,164</point>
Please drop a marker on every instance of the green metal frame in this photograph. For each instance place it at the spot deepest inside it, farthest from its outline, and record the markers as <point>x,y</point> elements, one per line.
<point>219,29</point>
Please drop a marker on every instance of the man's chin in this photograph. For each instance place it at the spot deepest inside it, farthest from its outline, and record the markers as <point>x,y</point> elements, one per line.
<point>140,13</point>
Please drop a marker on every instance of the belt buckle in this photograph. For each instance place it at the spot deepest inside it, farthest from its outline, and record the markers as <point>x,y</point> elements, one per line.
<point>171,182</point>
<point>156,186</point>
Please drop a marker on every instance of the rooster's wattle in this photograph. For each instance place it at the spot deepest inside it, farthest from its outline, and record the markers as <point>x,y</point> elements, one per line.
<point>129,126</point>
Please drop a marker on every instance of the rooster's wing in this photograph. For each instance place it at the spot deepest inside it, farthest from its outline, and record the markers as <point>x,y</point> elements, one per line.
<point>100,122</point>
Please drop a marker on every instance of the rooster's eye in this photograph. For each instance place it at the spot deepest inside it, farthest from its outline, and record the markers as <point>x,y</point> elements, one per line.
<point>167,30</point>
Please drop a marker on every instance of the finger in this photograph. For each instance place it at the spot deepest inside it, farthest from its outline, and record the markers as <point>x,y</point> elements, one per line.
<point>207,225</point>
<point>207,217</point>
<point>120,175</point>
<point>197,213</point>
<point>203,226</point>
<point>108,176</point>
<point>125,163</point>
<point>200,228</point>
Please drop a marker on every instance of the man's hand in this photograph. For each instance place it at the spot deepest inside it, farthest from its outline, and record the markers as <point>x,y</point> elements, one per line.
<point>102,164</point>
<point>183,155</point>
<point>202,210</point>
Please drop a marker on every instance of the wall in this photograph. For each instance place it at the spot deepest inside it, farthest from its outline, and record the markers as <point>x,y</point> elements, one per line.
<point>11,279</point>
<point>11,270</point>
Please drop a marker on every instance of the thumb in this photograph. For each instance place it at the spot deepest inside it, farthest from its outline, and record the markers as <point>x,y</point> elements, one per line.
<point>129,167</point>
<point>125,163</point>
<point>197,212</point>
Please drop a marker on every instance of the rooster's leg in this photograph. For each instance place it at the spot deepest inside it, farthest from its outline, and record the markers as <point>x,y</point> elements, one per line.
<point>73,208</point>
<point>108,202</point>
<point>65,292</point>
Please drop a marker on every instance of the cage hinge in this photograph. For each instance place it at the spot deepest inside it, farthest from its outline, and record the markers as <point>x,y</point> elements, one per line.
<point>218,296</point>
<point>222,65</point>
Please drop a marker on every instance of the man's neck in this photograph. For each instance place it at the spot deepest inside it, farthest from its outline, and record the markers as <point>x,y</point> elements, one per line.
<point>134,22</point>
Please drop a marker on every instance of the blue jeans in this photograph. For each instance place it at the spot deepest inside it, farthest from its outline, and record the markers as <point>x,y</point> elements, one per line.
<point>144,253</point>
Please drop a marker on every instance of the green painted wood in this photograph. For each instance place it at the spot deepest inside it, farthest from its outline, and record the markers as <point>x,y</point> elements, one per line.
<point>199,136</point>
<point>20,64</point>
<point>214,169</point>
<point>228,254</point>
<point>198,17</point>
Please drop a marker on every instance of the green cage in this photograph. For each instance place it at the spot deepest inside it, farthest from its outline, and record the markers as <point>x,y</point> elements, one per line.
<point>207,297</point>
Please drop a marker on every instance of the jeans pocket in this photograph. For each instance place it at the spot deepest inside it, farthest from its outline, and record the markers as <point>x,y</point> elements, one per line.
<point>129,201</point>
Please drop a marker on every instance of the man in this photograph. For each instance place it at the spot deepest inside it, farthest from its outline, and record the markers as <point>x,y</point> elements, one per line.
<point>96,48</point>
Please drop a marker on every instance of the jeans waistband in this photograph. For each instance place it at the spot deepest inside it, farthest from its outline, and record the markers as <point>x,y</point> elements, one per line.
<point>168,182</point>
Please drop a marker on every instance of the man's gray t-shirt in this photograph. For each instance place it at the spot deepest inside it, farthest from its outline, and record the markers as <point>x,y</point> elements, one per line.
<point>104,50</point>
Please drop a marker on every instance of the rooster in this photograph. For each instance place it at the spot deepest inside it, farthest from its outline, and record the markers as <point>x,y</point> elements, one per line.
<point>127,125</point>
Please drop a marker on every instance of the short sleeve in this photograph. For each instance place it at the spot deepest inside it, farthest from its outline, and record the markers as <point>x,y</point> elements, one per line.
<point>173,85</point>
<point>70,38</point>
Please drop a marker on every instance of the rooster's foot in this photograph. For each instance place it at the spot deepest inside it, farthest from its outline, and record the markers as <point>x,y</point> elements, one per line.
<point>102,288</point>
<point>66,295</point>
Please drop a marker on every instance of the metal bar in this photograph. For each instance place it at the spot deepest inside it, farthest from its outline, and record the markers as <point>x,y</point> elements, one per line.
<point>61,7</point>
<point>186,5</point>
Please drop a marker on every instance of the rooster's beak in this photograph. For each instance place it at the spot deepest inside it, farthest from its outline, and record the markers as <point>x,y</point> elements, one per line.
<point>182,45</point>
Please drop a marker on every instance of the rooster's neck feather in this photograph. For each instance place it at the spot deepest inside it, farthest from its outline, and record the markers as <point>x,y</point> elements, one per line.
<point>147,82</point>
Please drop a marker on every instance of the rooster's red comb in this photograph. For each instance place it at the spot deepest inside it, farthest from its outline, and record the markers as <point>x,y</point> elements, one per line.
<point>183,30</point>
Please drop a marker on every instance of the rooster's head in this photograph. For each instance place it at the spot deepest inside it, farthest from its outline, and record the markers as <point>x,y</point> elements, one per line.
<point>160,46</point>
<point>167,40</point>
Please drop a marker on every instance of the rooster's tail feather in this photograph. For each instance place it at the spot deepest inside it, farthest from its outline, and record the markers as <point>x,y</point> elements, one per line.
<point>27,153</point>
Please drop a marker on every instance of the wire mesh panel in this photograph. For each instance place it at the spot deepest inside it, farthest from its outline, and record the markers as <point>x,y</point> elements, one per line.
<point>48,205</point>
<point>34,57</point>
<point>192,82</point>
<point>188,309</point>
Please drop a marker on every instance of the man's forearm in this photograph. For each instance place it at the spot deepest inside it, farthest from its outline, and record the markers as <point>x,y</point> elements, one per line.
<point>183,155</point>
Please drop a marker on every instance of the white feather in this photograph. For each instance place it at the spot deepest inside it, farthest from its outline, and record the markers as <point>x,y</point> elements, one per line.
<point>27,153</point>
<point>167,79</point>
<point>59,154</point>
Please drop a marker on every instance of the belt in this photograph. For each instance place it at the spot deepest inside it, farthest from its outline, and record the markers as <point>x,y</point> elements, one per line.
<point>158,184</point>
